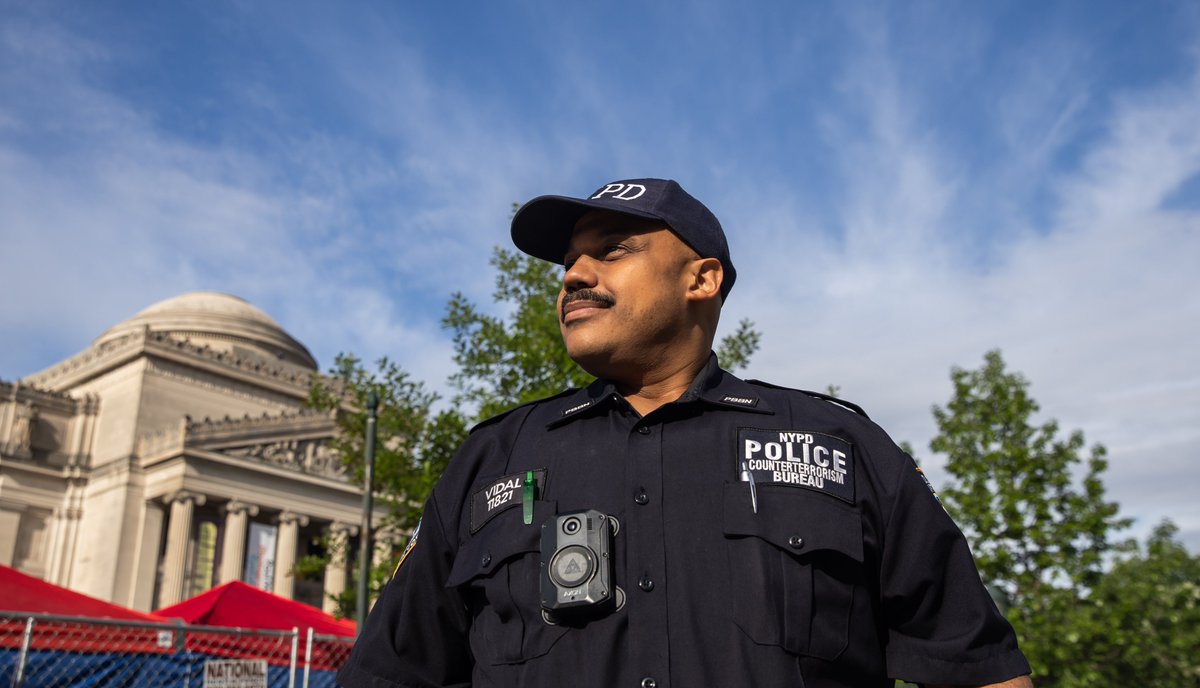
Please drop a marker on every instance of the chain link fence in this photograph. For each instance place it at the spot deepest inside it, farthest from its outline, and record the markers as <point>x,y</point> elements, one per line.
<point>43,651</point>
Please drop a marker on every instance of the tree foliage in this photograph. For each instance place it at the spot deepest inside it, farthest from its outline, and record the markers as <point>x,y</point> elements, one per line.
<point>1013,489</point>
<point>735,349</point>
<point>413,440</point>
<point>508,360</point>
<point>1031,505</point>
<point>413,447</point>
<point>1140,624</point>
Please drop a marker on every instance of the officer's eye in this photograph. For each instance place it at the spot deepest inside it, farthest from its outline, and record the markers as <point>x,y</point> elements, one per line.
<point>614,250</point>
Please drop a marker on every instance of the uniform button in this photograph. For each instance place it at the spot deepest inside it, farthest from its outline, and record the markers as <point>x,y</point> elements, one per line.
<point>649,683</point>
<point>641,497</point>
<point>796,541</point>
<point>646,584</point>
<point>487,559</point>
<point>645,431</point>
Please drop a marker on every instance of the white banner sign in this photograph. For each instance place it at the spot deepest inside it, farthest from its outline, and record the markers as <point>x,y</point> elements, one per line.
<point>260,556</point>
<point>235,673</point>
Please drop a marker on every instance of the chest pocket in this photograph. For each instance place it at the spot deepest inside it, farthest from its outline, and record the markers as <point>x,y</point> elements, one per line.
<point>498,569</point>
<point>795,567</point>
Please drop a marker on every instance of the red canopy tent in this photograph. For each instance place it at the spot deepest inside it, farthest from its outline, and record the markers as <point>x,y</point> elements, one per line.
<point>25,595</point>
<point>22,593</point>
<point>238,605</point>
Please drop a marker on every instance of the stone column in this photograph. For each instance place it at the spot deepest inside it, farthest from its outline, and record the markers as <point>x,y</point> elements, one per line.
<point>233,551</point>
<point>179,533</point>
<point>285,552</point>
<point>141,586</point>
<point>70,544</point>
<point>63,516</point>
<point>335,570</point>
<point>10,525</point>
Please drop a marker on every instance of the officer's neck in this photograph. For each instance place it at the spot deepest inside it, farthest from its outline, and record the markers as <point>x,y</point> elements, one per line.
<point>648,390</point>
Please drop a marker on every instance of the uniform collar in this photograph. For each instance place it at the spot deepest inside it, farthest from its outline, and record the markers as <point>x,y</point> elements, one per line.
<point>712,386</point>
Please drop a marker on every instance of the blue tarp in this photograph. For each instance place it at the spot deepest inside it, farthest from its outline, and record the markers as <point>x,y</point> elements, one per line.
<point>58,669</point>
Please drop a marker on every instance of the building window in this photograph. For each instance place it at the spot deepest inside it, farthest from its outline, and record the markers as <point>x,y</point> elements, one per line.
<point>29,553</point>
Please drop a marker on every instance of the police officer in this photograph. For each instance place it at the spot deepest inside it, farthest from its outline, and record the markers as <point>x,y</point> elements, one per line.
<point>671,524</point>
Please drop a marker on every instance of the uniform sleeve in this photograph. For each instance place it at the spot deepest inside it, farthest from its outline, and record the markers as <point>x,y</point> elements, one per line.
<point>416,634</point>
<point>943,627</point>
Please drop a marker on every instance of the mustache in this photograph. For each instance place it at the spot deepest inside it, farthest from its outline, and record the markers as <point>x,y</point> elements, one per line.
<point>592,295</point>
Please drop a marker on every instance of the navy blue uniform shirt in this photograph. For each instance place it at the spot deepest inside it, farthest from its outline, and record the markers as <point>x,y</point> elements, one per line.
<point>841,569</point>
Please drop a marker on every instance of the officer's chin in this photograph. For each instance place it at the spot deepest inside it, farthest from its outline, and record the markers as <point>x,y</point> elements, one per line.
<point>595,357</point>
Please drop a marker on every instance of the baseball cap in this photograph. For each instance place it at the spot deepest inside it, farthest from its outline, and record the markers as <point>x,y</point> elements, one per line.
<point>542,227</point>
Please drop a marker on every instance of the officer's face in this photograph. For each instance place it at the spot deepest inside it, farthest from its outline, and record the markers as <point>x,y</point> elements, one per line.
<point>623,302</point>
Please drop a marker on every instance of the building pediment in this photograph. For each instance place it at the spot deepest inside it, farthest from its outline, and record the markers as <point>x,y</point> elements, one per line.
<point>299,441</point>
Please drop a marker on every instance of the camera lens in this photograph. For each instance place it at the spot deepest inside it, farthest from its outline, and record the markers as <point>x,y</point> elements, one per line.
<point>572,525</point>
<point>572,566</point>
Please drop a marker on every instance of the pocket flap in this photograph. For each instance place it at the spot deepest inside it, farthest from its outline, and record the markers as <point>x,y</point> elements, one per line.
<point>794,520</point>
<point>502,539</point>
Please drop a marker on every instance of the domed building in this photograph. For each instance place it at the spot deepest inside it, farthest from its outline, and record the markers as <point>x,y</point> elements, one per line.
<point>176,453</point>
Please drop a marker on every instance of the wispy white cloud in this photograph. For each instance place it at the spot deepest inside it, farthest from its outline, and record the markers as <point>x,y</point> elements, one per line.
<point>106,213</point>
<point>1096,306</point>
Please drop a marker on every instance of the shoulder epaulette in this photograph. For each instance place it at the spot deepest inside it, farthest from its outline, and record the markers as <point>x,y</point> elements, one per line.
<point>848,405</point>
<point>504,414</point>
<point>840,402</point>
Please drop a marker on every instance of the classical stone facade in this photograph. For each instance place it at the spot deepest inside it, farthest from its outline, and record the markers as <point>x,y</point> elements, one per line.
<point>174,454</point>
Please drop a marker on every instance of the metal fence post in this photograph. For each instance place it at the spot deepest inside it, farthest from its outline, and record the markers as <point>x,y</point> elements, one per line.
<point>292,665</point>
<point>307,655</point>
<point>19,678</point>
<point>180,637</point>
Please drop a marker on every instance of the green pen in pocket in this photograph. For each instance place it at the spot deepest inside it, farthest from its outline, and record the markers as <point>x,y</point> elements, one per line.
<point>527,498</point>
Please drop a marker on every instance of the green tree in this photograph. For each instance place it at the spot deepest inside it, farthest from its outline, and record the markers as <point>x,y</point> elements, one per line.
<point>510,360</point>
<point>503,362</point>
<point>411,451</point>
<point>414,445</point>
<point>1039,535</point>
<point>1140,625</point>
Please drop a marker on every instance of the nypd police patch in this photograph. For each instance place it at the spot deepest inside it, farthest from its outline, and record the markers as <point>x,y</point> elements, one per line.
<point>800,458</point>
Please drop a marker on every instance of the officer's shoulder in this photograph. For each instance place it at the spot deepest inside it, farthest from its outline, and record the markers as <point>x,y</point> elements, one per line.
<point>519,410</point>
<point>836,401</point>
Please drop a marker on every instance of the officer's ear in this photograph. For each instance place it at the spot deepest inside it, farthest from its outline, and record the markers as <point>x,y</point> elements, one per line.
<point>706,275</point>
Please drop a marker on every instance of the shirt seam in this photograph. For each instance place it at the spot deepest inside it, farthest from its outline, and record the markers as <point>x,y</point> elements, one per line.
<point>894,496</point>
<point>512,445</point>
<point>1003,654</point>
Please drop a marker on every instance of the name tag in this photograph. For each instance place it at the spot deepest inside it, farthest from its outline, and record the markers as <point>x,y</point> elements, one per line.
<point>500,494</point>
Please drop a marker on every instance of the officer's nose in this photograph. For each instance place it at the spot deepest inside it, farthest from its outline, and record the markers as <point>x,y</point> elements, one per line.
<point>581,275</point>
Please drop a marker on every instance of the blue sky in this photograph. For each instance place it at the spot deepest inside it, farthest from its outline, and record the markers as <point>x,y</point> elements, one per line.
<point>905,185</point>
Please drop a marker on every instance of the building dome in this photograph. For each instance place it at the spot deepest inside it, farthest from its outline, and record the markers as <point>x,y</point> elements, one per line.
<point>220,321</point>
